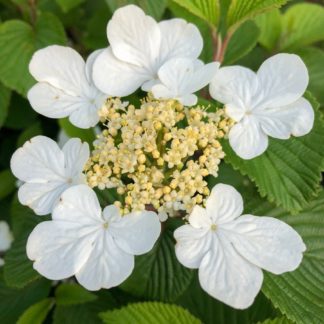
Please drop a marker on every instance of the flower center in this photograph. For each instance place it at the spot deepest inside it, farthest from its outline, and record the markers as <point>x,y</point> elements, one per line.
<point>213,227</point>
<point>105,225</point>
<point>157,156</point>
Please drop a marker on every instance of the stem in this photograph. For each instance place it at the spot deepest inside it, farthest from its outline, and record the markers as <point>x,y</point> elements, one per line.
<point>222,47</point>
<point>33,11</point>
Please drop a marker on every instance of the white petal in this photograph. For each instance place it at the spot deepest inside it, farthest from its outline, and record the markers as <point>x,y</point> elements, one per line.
<point>108,266</point>
<point>61,67</point>
<point>247,138</point>
<point>53,102</point>
<point>134,37</point>
<point>79,204</point>
<point>85,117</point>
<point>224,204</point>
<point>266,242</point>
<point>179,39</point>
<point>188,100</point>
<point>5,236</point>
<point>59,249</point>
<point>41,197</point>
<point>283,79</point>
<point>39,160</point>
<point>135,233</point>
<point>115,77</point>
<point>235,86</point>
<point>228,277</point>
<point>199,218</point>
<point>192,245</point>
<point>89,64</point>
<point>295,119</point>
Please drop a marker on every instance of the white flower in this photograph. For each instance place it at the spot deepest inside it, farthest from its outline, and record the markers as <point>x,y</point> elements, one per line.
<point>98,247</point>
<point>181,77</point>
<point>266,103</point>
<point>139,46</point>
<point>65,86</point>
<point>47,171</point>
<point>230,249</point>
<point>6,239</point>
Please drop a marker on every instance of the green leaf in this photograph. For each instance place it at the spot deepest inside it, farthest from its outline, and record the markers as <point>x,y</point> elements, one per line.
<point>270,28</point>
<point>151,7</point>
<point>303,24</point>
<point>33,130</point>
<point>211,311</point>
<point>289,172</point>
<point>37,313</point>
<point>298,294</point>
<point>15,301</point>
<point>242,10</point>
<point>314,60</point>
<point>158,275</point>
<point>7,183</point>
<point>67,5</point>
<point>4,103</point>
<point>86,135</point>
<point>73,294</point>
<point>18,42</point>
<point>148,313</point>
<point>242,42</point>
<point>208,10</point>
<point>277,320</point>
<point>18,269</point>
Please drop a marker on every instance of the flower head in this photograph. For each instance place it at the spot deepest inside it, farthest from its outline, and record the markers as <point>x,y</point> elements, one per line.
<point>266,103</point>
<point>65,86</point>
<point>47,171</point>
<point>180,78</point>
<point>96,246</point>
<point>230,249</point>
<point>139,46</point>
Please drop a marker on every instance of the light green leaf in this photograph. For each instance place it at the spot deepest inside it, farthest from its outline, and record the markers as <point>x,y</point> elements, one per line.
<point>73,294</point>
<point>4,103</point>
<point>148,313</point>
<point>152,8</point>
<point>15,301</point>
<point>67,5</point>
<point>18,269</point>
<point>302,24</point>
<point>208,10</point>
<point>7,183</point>
<point>86,135</point>
<point>314,60</point>
<point>242,10</point>
<point>158,275</point>
<point>270,28</point>
<point>37,313</point>
<point>298,294</point>
<point>33,130</point>
<point>242,42</point>
<point>277,320</point>
<point>289,172</point>
<point>18,42</point>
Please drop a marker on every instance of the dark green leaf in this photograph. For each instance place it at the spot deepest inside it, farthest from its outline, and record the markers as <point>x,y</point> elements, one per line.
<point>67,5</point>
<point>4,103</point>
<point>33,130</point>
<point>72,294</point>
<point>277,320</point>
<point>7,183</point>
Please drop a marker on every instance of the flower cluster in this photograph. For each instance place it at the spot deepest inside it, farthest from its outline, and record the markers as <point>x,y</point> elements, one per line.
<point>157,155</point>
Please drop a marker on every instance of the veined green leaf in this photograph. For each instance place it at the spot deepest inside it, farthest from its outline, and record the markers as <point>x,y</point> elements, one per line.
<point>208,10</point>
<point>148,313</point>
<point>242,10</point>
<point>73,294</point>
<point>289,172</point>
<point>298,294</point>
<point>37,313</point>
<point>67,5</point>
<point>18,42</point>
<point>277,320</point>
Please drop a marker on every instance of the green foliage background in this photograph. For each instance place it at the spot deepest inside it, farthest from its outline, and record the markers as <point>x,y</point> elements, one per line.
<point>285,182</point>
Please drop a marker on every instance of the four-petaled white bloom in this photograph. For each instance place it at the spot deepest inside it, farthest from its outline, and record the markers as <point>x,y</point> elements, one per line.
<point>230,249</point>
<point>47,171</point>
<point>139,46</point>
<point>266,103</point>
<point>6,238</point>
<point>65,86</point>
<point>96,246</point>
<point>179,78</point>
